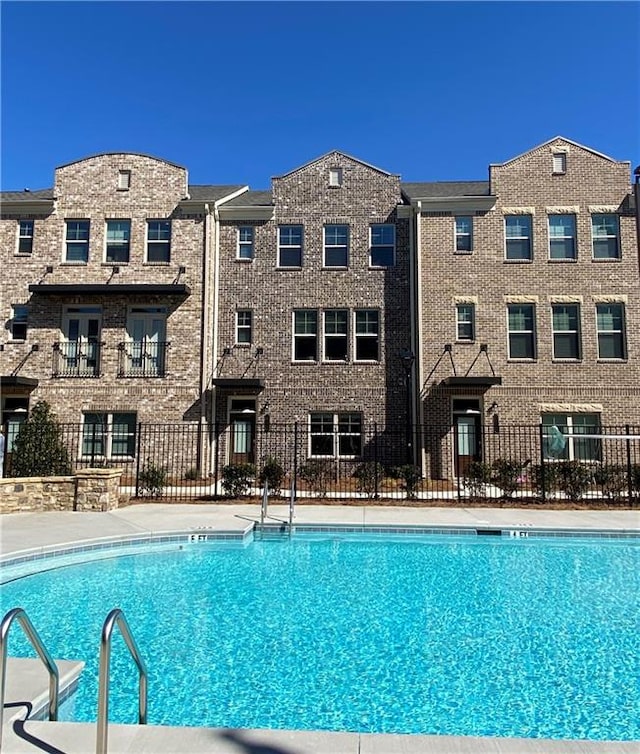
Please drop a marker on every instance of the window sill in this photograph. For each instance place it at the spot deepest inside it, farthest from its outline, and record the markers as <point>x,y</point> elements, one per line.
<point>26,254</point>
<point>459,253</point>
<point>559,261</point>
<point>114,264</point>
<point>156,264</point>
<point>612,361</point>
<point>242,345</point>
<point>566,361</point>
<point>518,261</point>
<point>522,361</point>
<point>73,264</point>
<point>305,361</point>
<point>289,269</point>
<point>606,259</point>
<point>244,260</point>
<point>335,267</point>
<point>381,266</point>
<point>366,361</point>
<point>471,342</point>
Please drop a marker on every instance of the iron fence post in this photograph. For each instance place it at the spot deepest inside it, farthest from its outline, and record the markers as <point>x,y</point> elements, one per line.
<point>542,472</point>
<point>139,444</point>
<point>295,459</point>
<point>216,467</point>
<point>375,460</point>
<point>629,470</point>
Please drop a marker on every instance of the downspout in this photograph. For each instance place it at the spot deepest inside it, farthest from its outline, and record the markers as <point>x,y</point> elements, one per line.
<point>205,336</point>
<point>214,329</point>
<point>417,246</point>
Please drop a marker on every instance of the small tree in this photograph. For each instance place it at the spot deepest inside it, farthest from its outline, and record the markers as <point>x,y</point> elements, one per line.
<point>476,478</point>
<point>237,478</point>
<point>410,478</point>
<point>153,479</point>
<point>369,475</point>
<point>273,474</point>
<point>318,474</point>
<point>38,449</point>
<point>507,475</point>
<point>574,479</point>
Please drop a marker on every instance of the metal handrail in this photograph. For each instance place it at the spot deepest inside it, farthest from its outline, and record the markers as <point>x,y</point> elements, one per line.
<point>116,617</point>
<point>36,643</point>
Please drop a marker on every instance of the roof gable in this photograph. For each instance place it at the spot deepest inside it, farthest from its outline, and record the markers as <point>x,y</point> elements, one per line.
<point>338,155</point>
<point>560,141</point>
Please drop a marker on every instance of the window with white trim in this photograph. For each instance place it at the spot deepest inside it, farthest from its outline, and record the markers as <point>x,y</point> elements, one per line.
<point>559,163</point>
<point>335,334</point>
<point>108,435</point>
<point>305,335</point>
<point>25,236</point>
<point>76,241</point>
<point>383,245</point>
<point>521,328</point>
<point>18,324</point>
<point>290,246</point>
<point>465,322</point>
<point>565,322</point>
<point>605,232</point>
<point>367,335</point>
<point>124,180</point>
<point>245,242</point>
<point>610,325</point>
<point>159,241</point>
<point>518,237</point>
<point>561,437</point>
<point>562,236</point>
<point>118,241</point>
<point>464,234</point>
<point>335,177</point>
<point>335,435</point>
<point>244,319</point>
<point>336,245</point>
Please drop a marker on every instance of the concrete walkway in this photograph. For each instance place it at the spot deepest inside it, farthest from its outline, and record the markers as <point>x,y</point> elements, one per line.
<point>37,532</point>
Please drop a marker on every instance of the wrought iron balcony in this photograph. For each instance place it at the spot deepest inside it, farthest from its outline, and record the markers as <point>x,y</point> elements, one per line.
<point>77,358</point>
<point>142,358</point>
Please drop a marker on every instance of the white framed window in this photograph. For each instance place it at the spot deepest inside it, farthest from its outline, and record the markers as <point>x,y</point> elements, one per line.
<point>79,349</point>
<point>335,177</point>
<point>145,349</point>
<point>77,241</point>
<point>518,237</point>
<point>465,322</point>
<point>245,242</point>
<point>561,437</point>
<point>305,335</point>
<point>335,435</point>
<point>159,241</point>
<point>18,324</point>
<point>244,321</point>
<point>521,328</point>
<point>610,325</point>
<point>25,236</point>
<point>367,335</point>
<point>108,436</point>
<point>605,231</point>
<point>124,180</point>
<point>290,246</point>
<point>118,239</point>
<point>562,237</point>
<point>464,234</point>
<point>335,334</point>
<point>559,163</point>
<point>383,245</point>
<point>565,322</point>
<point>336,245</point>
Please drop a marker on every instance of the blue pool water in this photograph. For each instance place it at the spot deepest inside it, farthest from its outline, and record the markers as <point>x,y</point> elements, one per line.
<point>458,635</point>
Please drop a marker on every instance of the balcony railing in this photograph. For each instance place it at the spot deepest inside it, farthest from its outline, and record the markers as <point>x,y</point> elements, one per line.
<point>141,358</point>
<point>77,358</point>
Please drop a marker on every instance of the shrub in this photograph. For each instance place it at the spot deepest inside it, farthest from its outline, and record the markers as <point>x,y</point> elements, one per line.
<point>273,474</point>
<point>550,478</point>
<point>152,479</point>
<point>38,449</point>
<point>410,476</point>
<point>318,474</point>
<point>368,476</point>
<point>611,479</point>
<point>507,475</point>
<point>477,477</point>
<point>237,478</point>
<point>574,479</point>
<point>192,474</point>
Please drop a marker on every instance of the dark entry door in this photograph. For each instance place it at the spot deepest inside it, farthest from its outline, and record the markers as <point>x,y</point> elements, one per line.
<point>468,434</point>
<point>242,424</point>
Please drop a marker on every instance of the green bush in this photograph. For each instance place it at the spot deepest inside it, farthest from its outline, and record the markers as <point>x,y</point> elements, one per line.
<point>476,478</point>
<point>550,478</point>
<point>273,474</point>
<point>318,474</point>
<point>612,480</point>
<point>507,475</point>
<point>368,476</point>
<point>574,479</point>
<point>410,476</point>
<point>38,449</point>
<point>237,478</point>
<point>152,479</point>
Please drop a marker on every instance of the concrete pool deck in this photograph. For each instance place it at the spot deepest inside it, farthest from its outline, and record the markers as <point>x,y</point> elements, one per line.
<point>22,533</point>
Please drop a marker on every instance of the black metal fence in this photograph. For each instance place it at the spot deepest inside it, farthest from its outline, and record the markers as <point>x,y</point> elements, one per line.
<point>515,463</point>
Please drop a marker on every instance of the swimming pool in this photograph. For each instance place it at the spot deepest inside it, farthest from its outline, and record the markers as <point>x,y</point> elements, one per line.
<point>451,635</point>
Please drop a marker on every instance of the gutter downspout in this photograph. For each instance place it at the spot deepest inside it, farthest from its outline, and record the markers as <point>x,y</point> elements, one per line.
<point>417,246</point>
<point>214,348</point>
<point>205,335</point>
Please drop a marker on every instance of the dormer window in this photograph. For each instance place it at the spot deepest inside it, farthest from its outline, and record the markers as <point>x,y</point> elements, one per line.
<point>124,180</point>
<point>335,177</point>
<point>559,163</point>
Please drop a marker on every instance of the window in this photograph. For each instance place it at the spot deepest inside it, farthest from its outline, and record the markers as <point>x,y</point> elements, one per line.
<point>559,163</point>
<point>335,335</point>
<point>518,237</point>
<point>611,331</point>
<point>118,238</point>
<point>243,326</point>
<point>159,241</point>
<point>305,335</point>
<point>145,349</point>
<point>465,322</point>
<point>566,331</point>
<point>562,236</point>
<point>336,245</point>
<point>521,319</point>
<point>290,246</point>
<point>335,435</point>
<point>383,245</point>
<point>19,322</point>
<point>335,177</point>
<point>25,236</point>
<point>367,335</point>
<point>78,354</point>
<point>561,433</point>
<point>77,241</point>
<point>245,242</point>
<point>464,234</point>
<point>109,436</point>
<point>124,180</point>
<point>604,229</point>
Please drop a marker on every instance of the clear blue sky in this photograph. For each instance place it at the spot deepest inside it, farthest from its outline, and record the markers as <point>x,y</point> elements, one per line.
<point>239,92</point>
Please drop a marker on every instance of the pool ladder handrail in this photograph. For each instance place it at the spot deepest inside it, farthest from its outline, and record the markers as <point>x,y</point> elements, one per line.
<point>19,614</point>
<point>116,618</point>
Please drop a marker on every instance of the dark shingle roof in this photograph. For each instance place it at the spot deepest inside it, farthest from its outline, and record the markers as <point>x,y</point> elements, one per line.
<point>252,199</point>
<point>444,189</point>
<point>26,196</point>
<point>212,193</point>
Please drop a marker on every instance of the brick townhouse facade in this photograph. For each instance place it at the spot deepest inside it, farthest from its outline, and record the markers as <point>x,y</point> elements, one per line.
<point>135,297</point>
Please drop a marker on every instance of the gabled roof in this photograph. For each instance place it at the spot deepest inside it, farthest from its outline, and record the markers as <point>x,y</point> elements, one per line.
<point>251,199</point>
<point>211,193</point>
<point>26,195</point>
<point>551,141</point>
<point>123,152</point>
<point>445,189</point>
<point>337,153</point>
